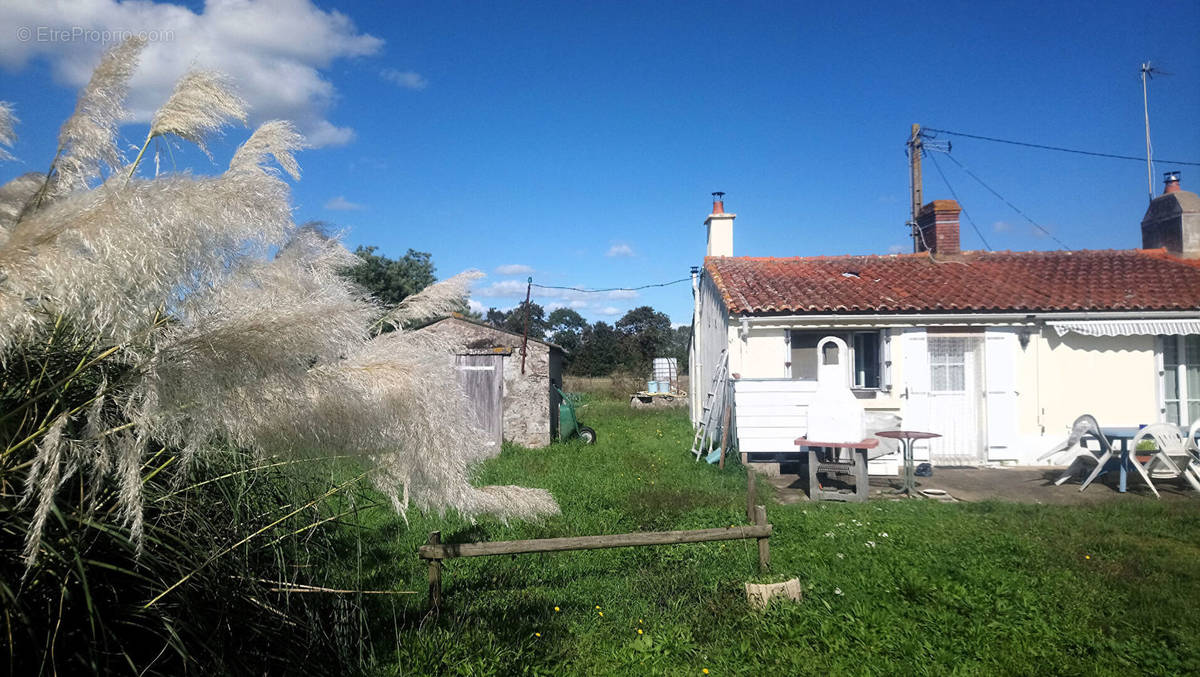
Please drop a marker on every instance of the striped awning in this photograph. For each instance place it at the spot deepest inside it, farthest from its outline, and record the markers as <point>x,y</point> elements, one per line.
<point>1126,327</point>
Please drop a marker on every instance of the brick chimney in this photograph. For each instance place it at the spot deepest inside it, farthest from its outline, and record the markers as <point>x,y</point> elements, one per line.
<point>1173,220</point>
<point>937,227</point>
<point>720,228</point>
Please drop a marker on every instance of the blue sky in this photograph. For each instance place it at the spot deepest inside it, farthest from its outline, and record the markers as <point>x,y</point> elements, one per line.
<point>578,142</point>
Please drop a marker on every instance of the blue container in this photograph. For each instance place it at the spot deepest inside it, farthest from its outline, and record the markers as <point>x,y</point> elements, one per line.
<point>652,386</point>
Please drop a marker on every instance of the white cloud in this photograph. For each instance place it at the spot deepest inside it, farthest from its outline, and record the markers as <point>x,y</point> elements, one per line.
<point>405,79</point>
<point>620,249</point>
<point>609,311</point>
<point>475,306</point>
<point>514,269</point>
<point>896,249</point>
<point>273,51</point>
<point>502,288</point>
<point>622,294</point>
<point>1002,226</point>
<point>341,204</point>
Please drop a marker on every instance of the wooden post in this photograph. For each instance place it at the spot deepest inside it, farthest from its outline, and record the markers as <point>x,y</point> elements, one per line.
<point>764,544</point>
<point>751,494</point>
<point>435,574</point>
<point>725,433</point>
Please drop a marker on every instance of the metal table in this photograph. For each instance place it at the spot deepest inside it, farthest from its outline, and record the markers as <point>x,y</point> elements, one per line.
<point>907,437</point>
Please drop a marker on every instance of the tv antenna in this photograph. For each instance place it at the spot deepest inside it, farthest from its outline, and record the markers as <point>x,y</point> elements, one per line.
<point>1148,73</point>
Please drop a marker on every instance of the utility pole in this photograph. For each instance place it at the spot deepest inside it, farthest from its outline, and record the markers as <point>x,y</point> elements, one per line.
<point>915,149</point>
<point>525,337</point>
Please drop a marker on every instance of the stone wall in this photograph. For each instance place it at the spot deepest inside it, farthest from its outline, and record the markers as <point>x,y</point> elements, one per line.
<point>528,418</point>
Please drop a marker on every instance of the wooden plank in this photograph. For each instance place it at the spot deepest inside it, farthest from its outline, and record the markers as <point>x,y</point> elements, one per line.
<point>434,551</point>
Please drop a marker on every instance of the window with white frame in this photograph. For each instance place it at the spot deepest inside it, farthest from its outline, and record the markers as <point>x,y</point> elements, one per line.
<point>867,356</point>
<point>1181,378</point>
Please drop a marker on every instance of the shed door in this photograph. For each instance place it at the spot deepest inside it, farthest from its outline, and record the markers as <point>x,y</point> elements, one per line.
<point>482,378</point>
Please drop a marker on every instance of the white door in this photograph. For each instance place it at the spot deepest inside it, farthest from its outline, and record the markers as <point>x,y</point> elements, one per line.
<point>956,400</point>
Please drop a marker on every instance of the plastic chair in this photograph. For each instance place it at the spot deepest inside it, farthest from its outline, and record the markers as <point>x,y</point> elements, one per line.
<point>1083,426</point>
<point>1109,455</point>
<point>1173,457</point>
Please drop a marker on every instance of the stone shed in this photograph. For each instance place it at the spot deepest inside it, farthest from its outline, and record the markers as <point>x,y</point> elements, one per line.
<point>521,408</point>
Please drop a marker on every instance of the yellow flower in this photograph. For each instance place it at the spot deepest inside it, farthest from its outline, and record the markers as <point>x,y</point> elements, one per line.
<point>639,620</point>
<point>597,607</point>
<point>537,634</point>
<point>1087,556</point>
<point>556,608</point>
<point>600,612</point>
<point>639,631</point>
<point>705,671</point>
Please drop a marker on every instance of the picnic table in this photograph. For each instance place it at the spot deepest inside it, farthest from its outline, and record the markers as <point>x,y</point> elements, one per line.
<point>826,457</point>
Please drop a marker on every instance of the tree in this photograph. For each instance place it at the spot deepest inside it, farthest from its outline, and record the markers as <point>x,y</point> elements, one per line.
<point>599,353</point>
<point>514,321</point>
<point>392,280</point>
<point>566,329</point>
<point>646,334</point>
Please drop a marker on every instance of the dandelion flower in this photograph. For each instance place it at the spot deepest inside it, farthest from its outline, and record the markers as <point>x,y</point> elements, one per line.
<point>556,608</point>
<point>1087,556</point>
<point>597,607</point>
<point>600,612</point>
<point>705,671</point>
<point>537,634</point>
<point>639,631</point>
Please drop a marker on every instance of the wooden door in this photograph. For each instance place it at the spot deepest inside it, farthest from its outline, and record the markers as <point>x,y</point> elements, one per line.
<point>482,378</point>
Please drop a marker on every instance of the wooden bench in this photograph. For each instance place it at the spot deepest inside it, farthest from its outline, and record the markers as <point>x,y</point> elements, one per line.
<point>823,457</point>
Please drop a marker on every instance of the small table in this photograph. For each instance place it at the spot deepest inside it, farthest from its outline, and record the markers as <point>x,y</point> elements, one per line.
<point>1124,435</point>
<point>907,437</point>
<point>856,466</point>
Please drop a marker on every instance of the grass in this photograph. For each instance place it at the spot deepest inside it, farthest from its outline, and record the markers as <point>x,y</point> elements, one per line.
<point>909,587</point>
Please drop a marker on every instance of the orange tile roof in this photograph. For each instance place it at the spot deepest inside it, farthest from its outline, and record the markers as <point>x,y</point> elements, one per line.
<point>1136,279</point>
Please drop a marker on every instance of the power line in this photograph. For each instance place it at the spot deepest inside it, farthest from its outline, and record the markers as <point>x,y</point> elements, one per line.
<point>1059,148</point>
<point>964,209</point>
<point>1011,205</point>
<point>597,291</point>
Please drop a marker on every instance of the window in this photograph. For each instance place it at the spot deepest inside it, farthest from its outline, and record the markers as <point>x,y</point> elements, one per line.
<point>1181,378</point>
<point>866,356</point>
<point>947,365</point>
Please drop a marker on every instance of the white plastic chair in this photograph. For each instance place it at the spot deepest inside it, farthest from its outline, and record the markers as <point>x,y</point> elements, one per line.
<point>1109,454</point>
<point>1073,445</point>
<point>1173,456</point>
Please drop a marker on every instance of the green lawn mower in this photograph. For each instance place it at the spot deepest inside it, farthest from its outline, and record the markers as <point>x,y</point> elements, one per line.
<point>568,421</point>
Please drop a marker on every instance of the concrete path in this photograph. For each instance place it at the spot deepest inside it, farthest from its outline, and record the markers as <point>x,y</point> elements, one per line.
<point>1020,485</point>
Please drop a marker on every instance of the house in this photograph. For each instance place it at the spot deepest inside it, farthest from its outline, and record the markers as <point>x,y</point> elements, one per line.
<point>515,406</point>
<point>996,351</point>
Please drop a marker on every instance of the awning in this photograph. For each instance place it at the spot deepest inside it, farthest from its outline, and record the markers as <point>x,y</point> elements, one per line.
<point>1126,327</point>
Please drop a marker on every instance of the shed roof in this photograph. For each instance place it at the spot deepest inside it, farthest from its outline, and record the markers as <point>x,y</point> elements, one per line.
<point>497,330</point>
<point>1107,280</point>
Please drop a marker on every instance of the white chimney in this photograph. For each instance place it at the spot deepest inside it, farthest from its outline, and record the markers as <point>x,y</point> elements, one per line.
<point>720,228</point>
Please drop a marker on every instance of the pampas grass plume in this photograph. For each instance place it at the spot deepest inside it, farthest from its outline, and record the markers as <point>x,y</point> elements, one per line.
<point>202,103</point>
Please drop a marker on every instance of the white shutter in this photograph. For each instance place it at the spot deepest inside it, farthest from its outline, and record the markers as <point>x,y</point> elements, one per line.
<point>915,388</point>
<point>885,359</point>
<point>1001,352</point>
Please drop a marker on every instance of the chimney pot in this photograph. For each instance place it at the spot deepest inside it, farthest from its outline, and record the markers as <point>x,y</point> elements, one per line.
<point>718,202</point>
<point>1171,182</point>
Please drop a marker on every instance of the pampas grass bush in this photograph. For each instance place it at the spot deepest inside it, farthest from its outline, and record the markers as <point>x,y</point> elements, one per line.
<point>178,316</point>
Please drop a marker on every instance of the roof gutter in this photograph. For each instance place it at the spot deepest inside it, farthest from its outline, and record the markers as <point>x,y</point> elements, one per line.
<point>818,321</point>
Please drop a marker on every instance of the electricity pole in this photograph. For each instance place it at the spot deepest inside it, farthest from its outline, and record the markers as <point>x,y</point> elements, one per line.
<point>915,149</point>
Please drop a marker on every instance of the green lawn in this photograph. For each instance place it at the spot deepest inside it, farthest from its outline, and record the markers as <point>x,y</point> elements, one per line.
<point>890,587</point>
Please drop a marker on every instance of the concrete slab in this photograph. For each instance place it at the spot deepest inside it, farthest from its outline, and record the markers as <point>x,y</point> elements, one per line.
<point>1016,484</point>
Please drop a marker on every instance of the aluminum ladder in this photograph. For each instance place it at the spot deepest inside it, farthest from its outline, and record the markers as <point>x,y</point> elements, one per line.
<point>708,413</point>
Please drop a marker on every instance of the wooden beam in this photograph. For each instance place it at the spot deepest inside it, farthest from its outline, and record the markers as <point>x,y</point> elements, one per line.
<point>435,551</point>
